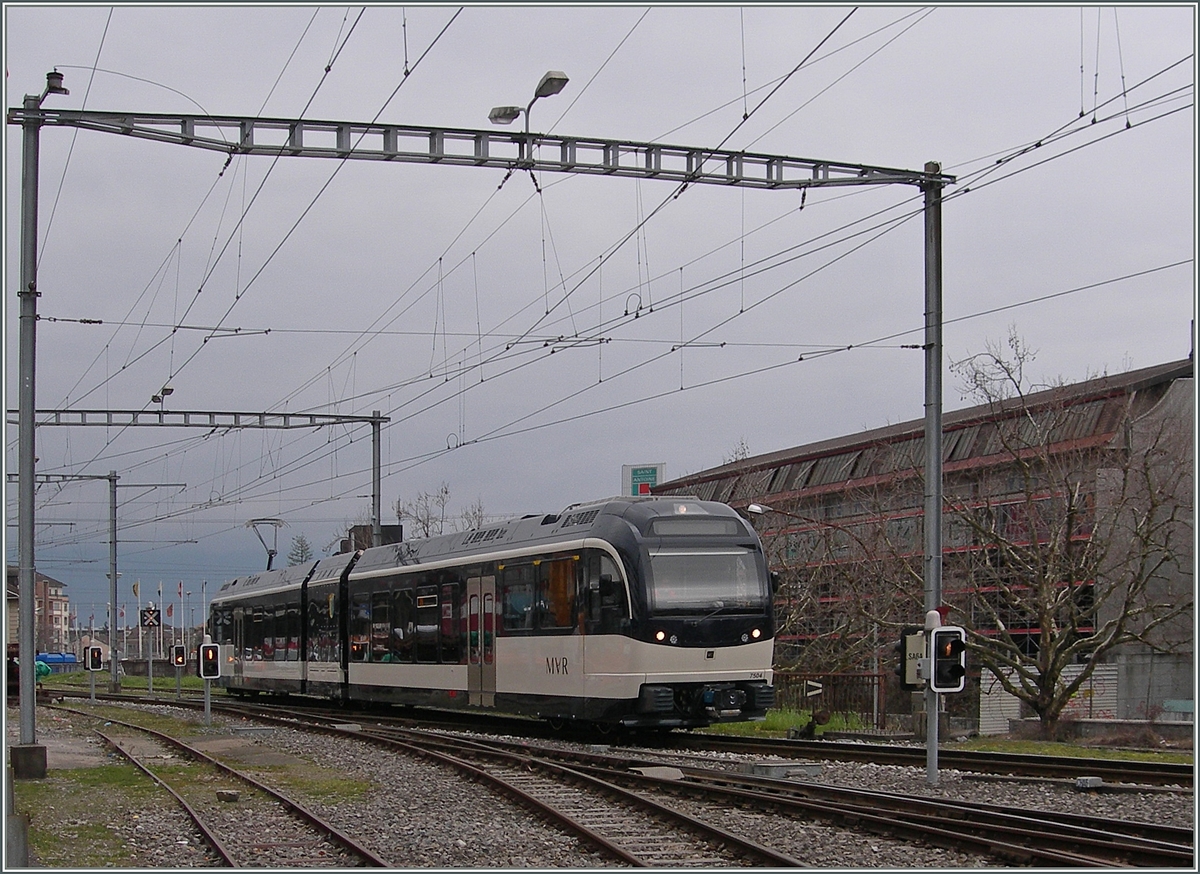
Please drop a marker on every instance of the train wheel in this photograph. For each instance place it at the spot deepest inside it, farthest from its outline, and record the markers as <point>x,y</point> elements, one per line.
<point>557,724</point>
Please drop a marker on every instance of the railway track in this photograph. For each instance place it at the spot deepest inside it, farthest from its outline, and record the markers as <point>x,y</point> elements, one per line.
<point>1110,770</point>
<point>654,807</point>
<point>628,826</point>
<point>1007,764</point>
<point>220,800</point>
<point>1012,836</point>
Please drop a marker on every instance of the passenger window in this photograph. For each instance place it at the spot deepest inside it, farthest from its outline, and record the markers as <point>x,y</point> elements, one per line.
<point>427,625</point>
<point>281,633</point>
<point>517,595</point>
<point>360,626</point>
<point>403,625</point>
<point>452,649</point>
<point>380,628</point>
<point>556,594</point>
<point>293,627</point>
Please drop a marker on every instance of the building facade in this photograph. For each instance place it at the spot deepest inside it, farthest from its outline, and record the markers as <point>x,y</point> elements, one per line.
<point>52,612</point>
<point>1067,527</point>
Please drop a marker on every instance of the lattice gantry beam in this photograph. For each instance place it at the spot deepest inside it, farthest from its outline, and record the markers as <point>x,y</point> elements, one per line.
<point>191,419</point>
<point>479,148</point>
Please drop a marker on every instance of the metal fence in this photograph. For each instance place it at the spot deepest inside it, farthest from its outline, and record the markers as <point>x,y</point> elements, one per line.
<point>864,695</point>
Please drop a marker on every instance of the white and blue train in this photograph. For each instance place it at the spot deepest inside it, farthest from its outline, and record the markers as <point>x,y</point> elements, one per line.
<point>637,612</point>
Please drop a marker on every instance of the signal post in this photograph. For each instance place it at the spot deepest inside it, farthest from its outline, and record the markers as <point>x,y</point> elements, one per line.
<point>933,659</point>
<point>93,660</point>
<point>179,658</point>
<point>208,666</point>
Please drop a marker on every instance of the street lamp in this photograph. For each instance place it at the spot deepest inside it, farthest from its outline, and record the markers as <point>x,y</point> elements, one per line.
<point>553,82</point>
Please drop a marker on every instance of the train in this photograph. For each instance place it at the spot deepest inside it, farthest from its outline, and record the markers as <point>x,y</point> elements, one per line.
<point>635,612</point>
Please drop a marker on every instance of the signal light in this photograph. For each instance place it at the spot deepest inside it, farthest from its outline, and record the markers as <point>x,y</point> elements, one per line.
<point>948,651</point>
<point>93,659</point>
<point>179,655</point>
<point>210,661</point>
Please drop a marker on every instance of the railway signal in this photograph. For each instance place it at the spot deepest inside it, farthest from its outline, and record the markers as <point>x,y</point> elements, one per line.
<point>948,651</point>
<point>179,655</point>
<point>94,658</point>
<point>210,661</point>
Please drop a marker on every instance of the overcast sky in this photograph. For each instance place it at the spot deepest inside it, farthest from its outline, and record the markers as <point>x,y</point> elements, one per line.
<point>438,295</point>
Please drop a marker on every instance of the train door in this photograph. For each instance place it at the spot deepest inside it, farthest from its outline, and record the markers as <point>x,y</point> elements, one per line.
<point>481,641</point>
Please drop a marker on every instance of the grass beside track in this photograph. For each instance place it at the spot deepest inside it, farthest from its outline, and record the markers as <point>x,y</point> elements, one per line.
<point>779,722</point>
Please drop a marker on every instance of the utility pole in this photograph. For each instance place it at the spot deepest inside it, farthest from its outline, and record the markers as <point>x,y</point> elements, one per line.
<point>29,758</point>
<point>933,439</point>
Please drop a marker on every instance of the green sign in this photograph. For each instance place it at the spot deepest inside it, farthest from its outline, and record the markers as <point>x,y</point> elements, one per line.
<point>642,479</point>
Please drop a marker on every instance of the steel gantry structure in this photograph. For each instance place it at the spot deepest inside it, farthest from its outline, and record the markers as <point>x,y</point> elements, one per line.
<point>345,140</point>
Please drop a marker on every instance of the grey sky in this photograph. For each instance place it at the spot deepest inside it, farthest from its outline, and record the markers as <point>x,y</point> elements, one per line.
<point>443,268</point>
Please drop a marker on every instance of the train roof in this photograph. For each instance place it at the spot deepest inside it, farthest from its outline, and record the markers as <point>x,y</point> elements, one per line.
<point>264,580</point>
<point>575,522</point>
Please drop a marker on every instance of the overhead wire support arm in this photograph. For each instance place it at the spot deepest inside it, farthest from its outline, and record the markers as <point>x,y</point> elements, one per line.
<point>194,419</point>
<point>245,135</point>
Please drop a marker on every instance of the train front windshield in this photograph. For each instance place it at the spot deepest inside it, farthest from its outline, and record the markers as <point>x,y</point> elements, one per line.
<point>690,580</point>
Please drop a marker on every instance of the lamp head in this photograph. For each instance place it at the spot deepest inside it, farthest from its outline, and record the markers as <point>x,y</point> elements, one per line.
<point>553,82</point>
<point>54,83</point>
<point>504,114</point>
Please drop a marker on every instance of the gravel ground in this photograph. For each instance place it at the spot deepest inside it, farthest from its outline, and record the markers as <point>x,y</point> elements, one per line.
<point>421,815</point>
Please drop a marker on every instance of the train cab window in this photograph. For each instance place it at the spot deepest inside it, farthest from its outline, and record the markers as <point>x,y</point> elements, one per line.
<point>516,596</point>
<point>690,580</point>
<point>360,626</point>
<point>404,625</point>
<point>556,594</point>
<point>606,606</point>
<point>380,627</point>
<point>222,621</point>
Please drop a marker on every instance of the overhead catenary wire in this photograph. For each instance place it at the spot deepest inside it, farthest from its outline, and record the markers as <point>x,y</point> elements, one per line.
<point>681,298</point>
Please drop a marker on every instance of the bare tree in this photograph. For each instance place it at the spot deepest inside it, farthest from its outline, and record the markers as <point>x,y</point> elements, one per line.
<point>1067,541</point>
<point>740,452</point>
<point>1081,546</point>
<point>472,516</point>
<point>427,511</point>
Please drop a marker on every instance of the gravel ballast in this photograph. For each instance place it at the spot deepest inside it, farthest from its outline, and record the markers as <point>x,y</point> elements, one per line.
<point>420,814</point>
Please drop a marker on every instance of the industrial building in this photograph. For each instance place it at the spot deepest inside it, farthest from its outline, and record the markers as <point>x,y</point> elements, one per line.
<point>1068,523</point>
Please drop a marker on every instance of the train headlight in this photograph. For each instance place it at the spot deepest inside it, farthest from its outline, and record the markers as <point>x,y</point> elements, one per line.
<point>756,634</point>
<point>660,636</point>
